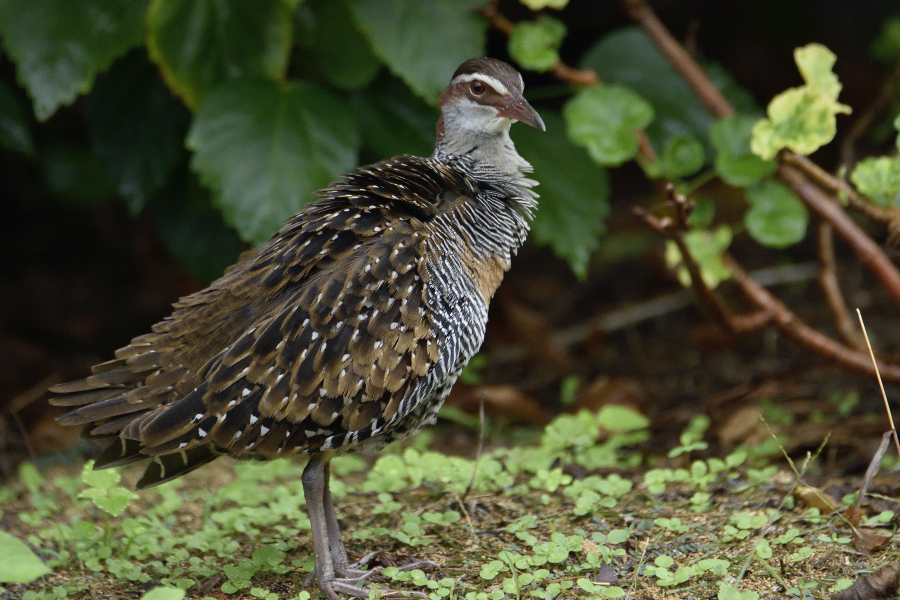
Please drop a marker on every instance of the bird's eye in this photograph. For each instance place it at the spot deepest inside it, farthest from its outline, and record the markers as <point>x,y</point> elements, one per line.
<point>477,88</point>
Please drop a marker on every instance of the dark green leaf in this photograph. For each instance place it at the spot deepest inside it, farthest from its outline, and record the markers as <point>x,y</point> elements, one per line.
<point>604,119</point>
<point>423,42</point>
<point>137,128</point>
<point>535,44</point>
<point>703,213</point>
<point>342,51</point>
<point>682,156</point>
<point>878,177</point>
<point>265,147</point>
<point>194,233</point>
<point>200,43</point>
<point>19,564</point>
<point>75,176</point>
<point>735,163</point>
<point>59,46</point>
<point>15,132</point>
<point>886,47</point>
<point>776,218</point>
<point>393,121</point>
<point>574,192</point>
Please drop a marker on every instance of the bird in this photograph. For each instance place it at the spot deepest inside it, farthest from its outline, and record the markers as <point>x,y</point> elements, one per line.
<point>346,331</point>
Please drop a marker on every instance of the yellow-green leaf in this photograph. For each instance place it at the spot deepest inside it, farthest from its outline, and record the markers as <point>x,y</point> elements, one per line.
<point>802,118</point>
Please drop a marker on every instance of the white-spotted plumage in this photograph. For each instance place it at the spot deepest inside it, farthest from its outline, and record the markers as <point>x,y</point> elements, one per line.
<point>348,329</point>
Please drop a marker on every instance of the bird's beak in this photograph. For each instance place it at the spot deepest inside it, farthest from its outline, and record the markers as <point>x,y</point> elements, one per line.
<point>521,111</point>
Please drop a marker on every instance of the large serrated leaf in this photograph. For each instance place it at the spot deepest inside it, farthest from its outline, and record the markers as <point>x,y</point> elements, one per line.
<point>19,564</point>
<point>200,43</point>
<point>193,230</point>
<point>137,128</point>
<point>15,132</point>
<point>574,192</point>
<point>59,46</point>
<point>340,48</point>
<point>423,42</point>
<point>265,147</point>
<point>392,120</point>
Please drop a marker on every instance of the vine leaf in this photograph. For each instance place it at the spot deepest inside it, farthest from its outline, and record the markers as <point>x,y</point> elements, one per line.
<point>423,42</point>
<point>706,247</point>
<point>777,218</point>
<point>604,119</point>
<point>735,162</point>
<point>535,44</point>
<point>803,118</point>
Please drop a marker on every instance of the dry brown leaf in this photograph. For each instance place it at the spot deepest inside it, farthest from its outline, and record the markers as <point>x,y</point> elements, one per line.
<point>866,540</point>
<point>743,426</point>
<point>604,390</point>
<point>883,583</point>
<point>816,498</point>
<point>500,402</point>
<point>853,515</point>
<point>606,576</point>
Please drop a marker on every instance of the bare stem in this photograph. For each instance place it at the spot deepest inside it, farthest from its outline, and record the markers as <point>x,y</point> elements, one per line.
<point>793,327</point>
<point>828,281</point>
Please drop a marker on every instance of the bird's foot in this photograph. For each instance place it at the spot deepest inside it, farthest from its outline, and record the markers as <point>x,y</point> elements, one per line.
<point>349,588</point>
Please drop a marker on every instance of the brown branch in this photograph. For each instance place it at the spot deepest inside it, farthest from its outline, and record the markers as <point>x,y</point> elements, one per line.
<point>836,186</point>
<point>709,299</point>
<point>793,327</point>
<point>828,281</point>
<point>868,252</point>
<point>801,169</point>
<point>679,58</point>
<point>719,107</point>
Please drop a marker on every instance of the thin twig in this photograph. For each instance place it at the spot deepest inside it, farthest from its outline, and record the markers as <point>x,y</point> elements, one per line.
<point>838,186</point>
<point>793,327</point>
<point>679,58</point>
<point>478,450</point>
<point>830,285</point>
<point>709,299</point>
<point>887,406</point>
<point>868,252</point>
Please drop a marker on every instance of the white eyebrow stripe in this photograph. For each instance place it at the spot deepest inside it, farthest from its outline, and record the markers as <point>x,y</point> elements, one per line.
<point>491,81</point>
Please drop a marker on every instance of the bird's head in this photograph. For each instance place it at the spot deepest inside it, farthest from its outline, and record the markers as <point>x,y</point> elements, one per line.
<point>483,99</point>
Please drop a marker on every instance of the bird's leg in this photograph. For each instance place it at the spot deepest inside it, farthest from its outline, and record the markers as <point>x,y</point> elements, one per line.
<point>338,553</point>
<point>315,485</point>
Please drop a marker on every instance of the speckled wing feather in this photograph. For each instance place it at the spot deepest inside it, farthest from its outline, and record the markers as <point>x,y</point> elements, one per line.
<point>322,339</point>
